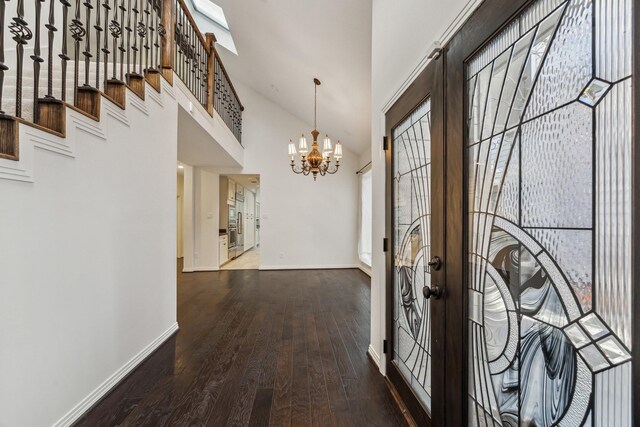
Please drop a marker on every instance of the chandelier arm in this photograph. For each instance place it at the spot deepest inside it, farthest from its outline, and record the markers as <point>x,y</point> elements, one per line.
<point>334,170</point>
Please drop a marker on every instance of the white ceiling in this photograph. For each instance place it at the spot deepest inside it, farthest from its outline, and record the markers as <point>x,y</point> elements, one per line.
<point>283,44</point>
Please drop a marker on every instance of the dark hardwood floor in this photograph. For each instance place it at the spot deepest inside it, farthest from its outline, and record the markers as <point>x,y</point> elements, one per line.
<point>259,348</point>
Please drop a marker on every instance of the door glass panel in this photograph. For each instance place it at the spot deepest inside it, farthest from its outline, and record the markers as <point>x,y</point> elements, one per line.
<point>549,238</point>
<point>412,222</point>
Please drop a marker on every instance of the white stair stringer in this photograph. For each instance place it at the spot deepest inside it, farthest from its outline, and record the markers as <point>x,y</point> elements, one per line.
<point>31,138</point>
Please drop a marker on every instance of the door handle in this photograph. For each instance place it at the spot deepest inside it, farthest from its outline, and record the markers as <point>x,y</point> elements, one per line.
<point>433,291</point>
<point>435,263</point>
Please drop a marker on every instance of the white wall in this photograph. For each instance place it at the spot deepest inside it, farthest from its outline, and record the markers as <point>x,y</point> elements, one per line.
<point>403,31</point>
<point>206,220</point>
<point>87,262</point>
<point>303,224</point>
<point>188,220</point>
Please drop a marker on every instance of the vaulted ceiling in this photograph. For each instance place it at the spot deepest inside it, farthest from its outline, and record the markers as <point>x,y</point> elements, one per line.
<point>283,44</point>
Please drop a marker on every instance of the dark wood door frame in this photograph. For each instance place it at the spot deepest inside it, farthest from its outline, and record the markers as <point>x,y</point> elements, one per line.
<point>486,21</point>
<point>429,84</point>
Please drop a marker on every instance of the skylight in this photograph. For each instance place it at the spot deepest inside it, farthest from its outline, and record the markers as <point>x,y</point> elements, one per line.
<point>211,11</point>
<point>210,18</point>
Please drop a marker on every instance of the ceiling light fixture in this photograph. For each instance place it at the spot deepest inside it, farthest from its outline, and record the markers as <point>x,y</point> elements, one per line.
<point>314,162</point>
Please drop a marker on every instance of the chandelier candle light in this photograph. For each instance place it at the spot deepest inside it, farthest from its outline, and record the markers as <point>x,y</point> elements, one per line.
<point>314,162</point>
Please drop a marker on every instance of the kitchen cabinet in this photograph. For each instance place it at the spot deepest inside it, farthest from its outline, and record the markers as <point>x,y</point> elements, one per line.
<point>231,198</point>
<point>224,249</point>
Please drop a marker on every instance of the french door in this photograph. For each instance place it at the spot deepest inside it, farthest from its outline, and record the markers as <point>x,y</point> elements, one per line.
<point>531,203</point>
<point>415,224</point>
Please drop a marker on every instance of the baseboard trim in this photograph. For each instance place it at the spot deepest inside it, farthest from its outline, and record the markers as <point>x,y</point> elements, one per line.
<point>201,269</point>
<point>309,267</point>
<point>365,269</point>
<point>88,402</point>
<point>375,357</point>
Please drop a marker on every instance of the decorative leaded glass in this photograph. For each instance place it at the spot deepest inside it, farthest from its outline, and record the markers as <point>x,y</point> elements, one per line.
<point>412,223</point>
<point>549,181</point>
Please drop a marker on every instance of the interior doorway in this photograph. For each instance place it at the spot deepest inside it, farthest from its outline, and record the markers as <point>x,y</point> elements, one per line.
<point>239,222</point>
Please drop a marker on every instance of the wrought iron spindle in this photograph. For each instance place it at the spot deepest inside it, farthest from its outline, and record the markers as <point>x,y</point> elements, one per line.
<point>129,29</point>
<point>134,48</point>
<point>77,32</point>
<point>50,26</point>
<point>37,60</point>
<point>105,48</point>
<point>118,29</point>
<point>176,38</point>
<point>142,31</point>
<point>196,66</point>
<point>64,58</point>
<point>21,34</point>
<point>205,76</point>
<point>98,28</point>
<point>190,54</point>
<point>180,44</point>
<point>87,46</point>
<point>3,66</point>
<point>157,28</point>
<point>147,28</point>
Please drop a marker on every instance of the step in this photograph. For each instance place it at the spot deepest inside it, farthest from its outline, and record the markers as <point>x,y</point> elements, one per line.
<point>10,80</point>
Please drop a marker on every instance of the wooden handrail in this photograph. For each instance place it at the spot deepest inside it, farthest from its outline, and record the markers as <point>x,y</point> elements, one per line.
<point>185,9</point>
<point>208,46</point>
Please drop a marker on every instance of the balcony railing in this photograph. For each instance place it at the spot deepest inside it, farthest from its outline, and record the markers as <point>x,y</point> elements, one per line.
<point>57,53</point>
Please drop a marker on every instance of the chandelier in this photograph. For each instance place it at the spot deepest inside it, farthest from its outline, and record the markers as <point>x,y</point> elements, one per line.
<point>315,162</point>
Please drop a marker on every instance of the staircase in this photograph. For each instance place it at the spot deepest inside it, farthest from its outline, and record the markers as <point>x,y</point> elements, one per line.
<point>145,42</point>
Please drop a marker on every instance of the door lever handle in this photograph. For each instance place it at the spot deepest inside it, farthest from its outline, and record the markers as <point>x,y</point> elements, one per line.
<point>435,263</point>
<point>433,291</point>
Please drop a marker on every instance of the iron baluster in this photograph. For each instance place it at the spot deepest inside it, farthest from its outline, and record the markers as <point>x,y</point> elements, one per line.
<point>52,29</point>
<point>37,60</point>
<point>77,32</point>
<point>64,58</point>
<point>134,48</point>
<point>141,29</point>
<point>116,30</point>
<point>98,28</point>
<point>147,28</point>
<point>3,66</point>
<point>87,47</point>
<point>128,28</point>
<point>105,48</point>
<point>21,34</point>
<point>121,48</point>
<point>155,61</point>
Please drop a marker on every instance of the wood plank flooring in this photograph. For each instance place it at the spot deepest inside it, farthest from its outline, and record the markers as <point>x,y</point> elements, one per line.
<point>259,348</point>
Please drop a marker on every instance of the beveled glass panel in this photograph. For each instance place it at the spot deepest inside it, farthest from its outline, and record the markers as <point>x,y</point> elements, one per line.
<point>412,252</point>
<point>549,211</point>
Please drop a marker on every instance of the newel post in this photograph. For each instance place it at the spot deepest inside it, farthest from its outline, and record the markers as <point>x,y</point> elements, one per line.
<point>211,67</point>
<point>168,38</point>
